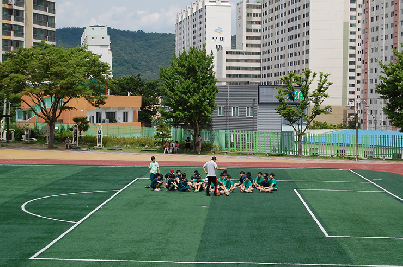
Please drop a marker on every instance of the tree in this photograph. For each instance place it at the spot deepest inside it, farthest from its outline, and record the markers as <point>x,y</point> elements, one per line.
<point>391,89</point>
<point>294,104</point>
<point>47,78</point>
<point>162,131</point>
<point>135,85</point>
<point>82,124</point>
<point>189,90</point>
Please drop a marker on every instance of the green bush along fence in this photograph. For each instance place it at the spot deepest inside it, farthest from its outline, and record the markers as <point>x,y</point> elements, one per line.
<point>342,145</point>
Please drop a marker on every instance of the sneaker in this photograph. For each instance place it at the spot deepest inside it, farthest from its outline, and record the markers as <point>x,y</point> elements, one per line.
<point>147,186</point>
<point>157,189</point>
<point>196,190</point>
<point>208,195</point>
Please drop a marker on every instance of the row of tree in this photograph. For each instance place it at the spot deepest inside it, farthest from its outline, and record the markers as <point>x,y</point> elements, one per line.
<point>187,87</point>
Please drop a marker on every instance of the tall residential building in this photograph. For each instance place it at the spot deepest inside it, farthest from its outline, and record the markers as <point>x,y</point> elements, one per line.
<point>241,66</point>
<point>27,22</point>
<point>204,22</point>
<point>383,32</point>
<point>98,42</point>
<point>324,36</point>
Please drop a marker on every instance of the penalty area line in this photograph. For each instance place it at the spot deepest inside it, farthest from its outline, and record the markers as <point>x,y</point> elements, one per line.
<point>219,263</point>
<point>82,220</point>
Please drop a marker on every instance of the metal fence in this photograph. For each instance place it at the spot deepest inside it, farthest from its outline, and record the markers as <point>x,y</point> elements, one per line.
<point>342,145</point>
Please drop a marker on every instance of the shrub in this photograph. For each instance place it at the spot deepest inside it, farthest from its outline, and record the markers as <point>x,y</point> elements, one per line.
<point>113,141</point>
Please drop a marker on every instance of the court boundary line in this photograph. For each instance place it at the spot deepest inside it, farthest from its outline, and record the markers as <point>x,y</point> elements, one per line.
<point>206,262</point>
<point>323,228</point>
<point>380,187</point>
<point>80,221</point>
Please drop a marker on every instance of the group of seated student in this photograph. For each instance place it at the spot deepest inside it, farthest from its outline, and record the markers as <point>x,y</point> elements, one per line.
<point>246,184</point>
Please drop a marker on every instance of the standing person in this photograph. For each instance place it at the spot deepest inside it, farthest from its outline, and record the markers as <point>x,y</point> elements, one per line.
<point>211,166</point>
<point>199,141</point>
<point>166,147</point>
<point>187,144</point>
<point>154,169</point>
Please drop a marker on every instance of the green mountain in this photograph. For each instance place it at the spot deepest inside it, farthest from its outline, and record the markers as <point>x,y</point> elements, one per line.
<point>133,52</point>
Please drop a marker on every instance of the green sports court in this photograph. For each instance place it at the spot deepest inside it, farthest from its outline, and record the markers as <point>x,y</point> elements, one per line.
<point>78,215</point>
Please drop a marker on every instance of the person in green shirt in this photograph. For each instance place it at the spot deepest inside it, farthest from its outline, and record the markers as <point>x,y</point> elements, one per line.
<point>247,187</point>
<point>273,184</point>
<point>229,185</point>
<point>258,180</point>
<point>154,169</point>
<point>198,183</point>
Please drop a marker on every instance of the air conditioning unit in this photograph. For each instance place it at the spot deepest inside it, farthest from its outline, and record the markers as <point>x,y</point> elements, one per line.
<point>11,2</point>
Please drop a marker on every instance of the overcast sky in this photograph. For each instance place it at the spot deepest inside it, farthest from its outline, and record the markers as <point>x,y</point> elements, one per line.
<point>149,16</point>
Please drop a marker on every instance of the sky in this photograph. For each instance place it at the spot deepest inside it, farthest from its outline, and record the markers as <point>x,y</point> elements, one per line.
<point>147,15</point>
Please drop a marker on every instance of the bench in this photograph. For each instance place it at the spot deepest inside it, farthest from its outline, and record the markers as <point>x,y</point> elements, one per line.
<point>224,152</point>
<point>74,147</point>
<point>94,147</point>
<point>246,152</point>
<point>275,154</point>
<point>114,148</point>
<point>149,149</point>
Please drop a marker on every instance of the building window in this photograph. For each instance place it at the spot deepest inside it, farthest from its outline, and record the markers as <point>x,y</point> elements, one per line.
<point>110,117</point>
<point>220,111</point>
<point>125,116</point>
<point>235,112</point>
<point>249,111</point>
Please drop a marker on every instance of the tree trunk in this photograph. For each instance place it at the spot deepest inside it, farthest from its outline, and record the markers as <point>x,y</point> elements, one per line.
<point>300,144</point>
<point>195,135</point>
<point>51,133</point>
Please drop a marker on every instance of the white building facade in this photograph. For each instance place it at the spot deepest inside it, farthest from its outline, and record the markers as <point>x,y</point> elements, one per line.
<point>323,36</point>
<point>382,30</point>
<point>241,66</point>
<point>204,22</point>
<point>98,41</point>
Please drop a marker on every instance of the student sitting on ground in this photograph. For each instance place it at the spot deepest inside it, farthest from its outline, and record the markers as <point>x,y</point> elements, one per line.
<point>183,185</point>
<point>247,187</point>
<point>220,182</point>
<point>229,185</point>
<point>171,183</point>
<point>178,176</point>
<point>157,182</point>
<point>198,183</point>
<point>167,176</point>
<point>265,184</point>
<point>241,179</point>
<point>196,172</point>
<point>258,180</point>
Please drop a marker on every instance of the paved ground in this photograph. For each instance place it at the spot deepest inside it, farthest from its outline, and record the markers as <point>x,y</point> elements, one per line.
<point>78,157</point>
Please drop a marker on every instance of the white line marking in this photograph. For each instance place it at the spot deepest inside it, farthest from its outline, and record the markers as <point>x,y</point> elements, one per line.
<point>380,187</point>
<point>218,262</point>
<point>23,207</point>
<point>323,229</point>
<point>310,212</point>
<point>338,190</point>
<point>83,219</point>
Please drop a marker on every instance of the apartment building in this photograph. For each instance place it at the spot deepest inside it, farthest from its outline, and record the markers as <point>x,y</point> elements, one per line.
<point>241,66</point>
<point>204,22</point>
<point>27,22</point>
<point>98,41</point>
<point>324,36</point>
<point>382,30</point>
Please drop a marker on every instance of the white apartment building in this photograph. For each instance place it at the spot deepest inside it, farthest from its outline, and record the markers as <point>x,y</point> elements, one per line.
<point>241,66</point>
<point>27,22</point>
<point>204,22</point>
<point>98,42</point>
<point>324,36</point>
<point>382,30</point>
